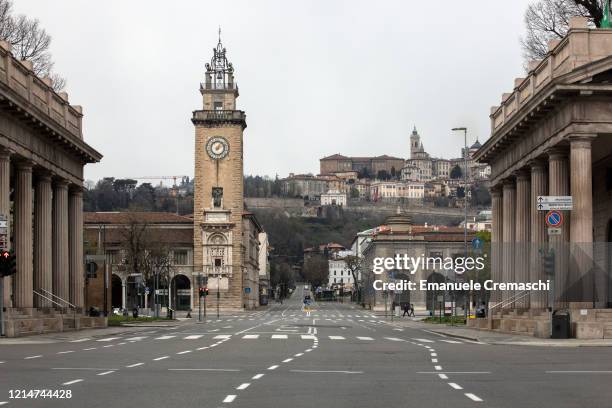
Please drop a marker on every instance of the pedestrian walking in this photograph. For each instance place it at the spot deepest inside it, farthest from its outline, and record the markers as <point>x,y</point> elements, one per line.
<point>406,310</point>
<point>411,310</point>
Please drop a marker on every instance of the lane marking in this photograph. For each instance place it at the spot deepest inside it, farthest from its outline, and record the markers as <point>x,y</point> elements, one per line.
<point>473,397</point>
<point>308,337</point>
<point>438,368</point>
<point>229,398</point>
<point>134,365</point>
<point>279,336</point>
<point>451,341</point>
<point>454,372</point>
<point>79,340</point>
<point>243,386</point>
<point>327,371</point>
<point>164,337</point>
<point>222,336</point>
<point>202,348</point>
<point>365,338</point>
<point>434,354</point>
<point>578,372</point>
<point>203,369</point>
<point>109,339</point>
<point>161,358</point>
<point>287,360</point>
<point>65,352</point>
<point>106,372</point>
<point>250,336</point>
<point>434,360</point>
<point>31,357</point>
<point>394,339</point>
<point>108,345</point>
<point>455,386</point>
<point>84,368</point>
<point>137,338</point>
<point>257,376</point>
<point>425,340</point>
<point>274,367</point>
<point>298,355</point>
<point>184,352</point>
<point>72,382</point>
<point>336,337</point>
<point>443,376</point>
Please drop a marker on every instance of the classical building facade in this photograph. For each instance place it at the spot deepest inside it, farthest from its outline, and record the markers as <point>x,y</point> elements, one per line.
<point>42,155</point>
<point>164,238</point>
<point>399,237</point>
<point>219,213</point>
<point>338,163</point>
<point>551,137</point>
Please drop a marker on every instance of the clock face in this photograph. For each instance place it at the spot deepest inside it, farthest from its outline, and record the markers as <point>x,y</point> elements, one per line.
<point>217,147</point>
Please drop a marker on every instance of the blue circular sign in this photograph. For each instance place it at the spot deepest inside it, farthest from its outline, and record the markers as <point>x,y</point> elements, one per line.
<point>477,243</point>
<point>554,218</point>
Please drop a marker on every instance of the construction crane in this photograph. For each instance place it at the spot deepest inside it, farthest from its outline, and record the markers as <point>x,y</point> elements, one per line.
<point>173,178</point>
<point>173,190</point>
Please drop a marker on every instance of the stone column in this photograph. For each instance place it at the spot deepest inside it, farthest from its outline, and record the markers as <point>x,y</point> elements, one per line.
<point>60,240</point>
<point>558,181</point>
<point>539,187</point>
<point>75,233</point>
<point>581,231</point>
<point>23,235</point>
<point>509,237</point>
<point>522,235</point>
<point>123,293</point>
<point>5,208</point>
<point>43,238</point>
<point>496,241</point>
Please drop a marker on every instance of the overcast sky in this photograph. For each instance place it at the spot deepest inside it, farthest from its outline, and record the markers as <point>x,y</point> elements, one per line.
<point>315,77</point>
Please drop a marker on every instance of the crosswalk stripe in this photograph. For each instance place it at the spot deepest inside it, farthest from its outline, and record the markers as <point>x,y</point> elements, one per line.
<point>137,338</point>
<point>80,340</point>
<point>308,337</point>
<point>425,340</point>
<point>393,339</point>
<point>193,337</point>
<point>336,338</point>
<point>164,337</point>
<point>451,341</point>
<point>222,336</point>
<point>108,339</point>
<point>279,336</point>
<point>250,336</point>
<point>365,338</point>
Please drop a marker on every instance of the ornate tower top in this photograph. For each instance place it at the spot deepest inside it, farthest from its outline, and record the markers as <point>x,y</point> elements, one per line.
<point>219,72</point>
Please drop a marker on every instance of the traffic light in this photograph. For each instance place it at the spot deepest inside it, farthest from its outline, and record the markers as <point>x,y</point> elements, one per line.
<point>8,263</point>
<point>203,292</point>
<point>549,264</point>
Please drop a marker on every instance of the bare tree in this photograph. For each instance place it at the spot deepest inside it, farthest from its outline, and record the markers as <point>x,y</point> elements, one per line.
<point>549,19</point>
<point>354,264</point>
<point>29,41</point>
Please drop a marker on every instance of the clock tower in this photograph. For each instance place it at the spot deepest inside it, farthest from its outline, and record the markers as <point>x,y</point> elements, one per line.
<point>218,182</point>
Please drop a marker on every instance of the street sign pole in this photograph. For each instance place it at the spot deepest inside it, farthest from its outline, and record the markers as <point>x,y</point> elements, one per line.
<point>3,247</point>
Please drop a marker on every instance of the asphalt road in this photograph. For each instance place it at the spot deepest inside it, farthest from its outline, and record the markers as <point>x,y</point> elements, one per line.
<point>339,356</point>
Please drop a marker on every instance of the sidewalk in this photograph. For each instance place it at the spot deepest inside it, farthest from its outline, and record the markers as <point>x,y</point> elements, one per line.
<point>490,337</point>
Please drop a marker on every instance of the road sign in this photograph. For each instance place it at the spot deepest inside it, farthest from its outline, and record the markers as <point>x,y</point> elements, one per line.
<point>477,243</point>
<point>247,290</point>
<point>546,203</point>
<point>554,219</point>
<point>147,291</point>
<point>554,231</point>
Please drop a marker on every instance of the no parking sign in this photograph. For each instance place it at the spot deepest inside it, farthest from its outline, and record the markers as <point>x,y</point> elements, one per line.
<point>554,219</point>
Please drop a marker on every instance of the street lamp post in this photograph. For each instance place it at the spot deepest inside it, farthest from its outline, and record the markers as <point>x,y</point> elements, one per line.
<point>465,202</point>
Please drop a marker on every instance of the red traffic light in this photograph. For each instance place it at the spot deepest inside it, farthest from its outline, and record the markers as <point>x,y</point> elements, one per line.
<point>5,254</point>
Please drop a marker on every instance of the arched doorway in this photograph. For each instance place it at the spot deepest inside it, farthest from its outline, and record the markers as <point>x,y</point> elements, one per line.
<point>403,297</point>
<point>431,295</point>
<point>181,292</point>
<point>609,256</point>
<point>116,291</point>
